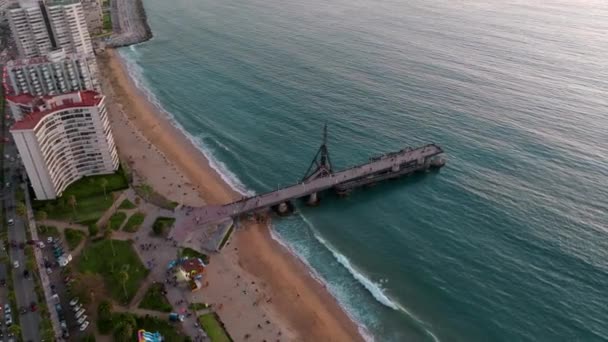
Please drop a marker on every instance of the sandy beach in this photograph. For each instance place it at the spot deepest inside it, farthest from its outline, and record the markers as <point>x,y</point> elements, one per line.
<point>299,307</point>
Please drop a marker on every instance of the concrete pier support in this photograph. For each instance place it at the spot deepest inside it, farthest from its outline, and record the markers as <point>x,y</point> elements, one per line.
<point>284,209</point>
<point>313,200</point>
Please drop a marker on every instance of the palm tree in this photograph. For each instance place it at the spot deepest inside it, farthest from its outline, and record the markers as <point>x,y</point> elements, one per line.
<point>123,276</point>
<point>104,183</point>
<point>72,203</point>
<point>41,215</point>
<point>20,209</point>
<point>107,234</point>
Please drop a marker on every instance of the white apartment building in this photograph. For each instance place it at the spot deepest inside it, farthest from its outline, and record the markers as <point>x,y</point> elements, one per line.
<point>65,138</point>
<point>54,74</point>
<point>39,28</point>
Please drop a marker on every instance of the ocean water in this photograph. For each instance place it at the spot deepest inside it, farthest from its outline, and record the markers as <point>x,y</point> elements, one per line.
<point>509,242</point>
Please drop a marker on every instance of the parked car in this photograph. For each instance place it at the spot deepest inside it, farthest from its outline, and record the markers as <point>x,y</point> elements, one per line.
<point>74,301</point>
<point>8,319</point>
<point>16,264</point>
<point>84,326</point>
<point>49,239</point>
<point>26,273</point>
<point>79,313</point>
<point>33,306</point>
<point>11,222</point>
<point>82,319</point>
<point>7,309</point>
<point>77,307</point>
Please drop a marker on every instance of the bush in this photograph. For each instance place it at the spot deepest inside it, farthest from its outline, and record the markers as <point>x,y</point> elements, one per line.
<point>126,204</point>
<point>134,222</point>
<point>117,220</point>
<point>162,224</point>
<point>73,237</point>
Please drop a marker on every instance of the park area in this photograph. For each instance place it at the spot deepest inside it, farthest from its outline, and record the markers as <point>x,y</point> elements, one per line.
<point>214,328</point>
<point>85,200</point>
<point>118,264</point>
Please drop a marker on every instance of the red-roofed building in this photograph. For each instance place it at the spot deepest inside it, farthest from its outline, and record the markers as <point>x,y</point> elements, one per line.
<point>62,139</point>
<point>192,268</point>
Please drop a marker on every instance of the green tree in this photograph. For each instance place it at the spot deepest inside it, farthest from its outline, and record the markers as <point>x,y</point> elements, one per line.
<point>20,209</point>
<point>124,332</point>
<point>123,276</point>
<point>93,229</point>
<point>41,215</point>
<point>15,330</point>
<point>159,227</point>
<point>104,309</point>
<point>104,184</point>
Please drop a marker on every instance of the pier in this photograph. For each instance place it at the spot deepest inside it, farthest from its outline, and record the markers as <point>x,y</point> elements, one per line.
<point>321,177</point>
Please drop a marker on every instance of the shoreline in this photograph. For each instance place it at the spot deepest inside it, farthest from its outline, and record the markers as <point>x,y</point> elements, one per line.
<point>318,315</point>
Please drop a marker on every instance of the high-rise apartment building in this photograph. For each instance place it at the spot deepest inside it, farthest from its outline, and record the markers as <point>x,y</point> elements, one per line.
<point>64,138</point>
<point>54,74</point>
<point>39,28</point>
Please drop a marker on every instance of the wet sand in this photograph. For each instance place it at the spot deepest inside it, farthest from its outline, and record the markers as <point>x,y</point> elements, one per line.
<point>300,307</point>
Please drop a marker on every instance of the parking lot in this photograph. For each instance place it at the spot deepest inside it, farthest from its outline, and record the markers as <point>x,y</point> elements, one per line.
<point>71,314</point>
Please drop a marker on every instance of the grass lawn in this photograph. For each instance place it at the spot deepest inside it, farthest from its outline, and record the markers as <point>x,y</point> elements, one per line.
<point>117,220</point>
<point>126,204</point>
<point>198,306</point>
<point>214,328</point>
<point>162,224</point>
<point>91,201</point>
<point>107,21</point>
<point>48,230</point>
<point>134,222</point>
<point>112,259</point>
<point>191,253</point>
<point>73,237</point>
<point>154,299</point>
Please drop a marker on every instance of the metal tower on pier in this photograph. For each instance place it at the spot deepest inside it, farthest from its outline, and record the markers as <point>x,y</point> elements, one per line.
<point>321,164</point>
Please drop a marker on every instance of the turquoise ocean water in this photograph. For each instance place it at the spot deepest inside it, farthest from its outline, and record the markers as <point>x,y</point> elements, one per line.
<point>509,242</point>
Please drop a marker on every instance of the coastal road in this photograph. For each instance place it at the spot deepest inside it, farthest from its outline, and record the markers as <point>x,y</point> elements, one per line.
<point>24,287</point>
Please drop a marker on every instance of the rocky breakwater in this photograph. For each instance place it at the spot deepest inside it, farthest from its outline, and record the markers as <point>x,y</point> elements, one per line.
<point>129,23</point>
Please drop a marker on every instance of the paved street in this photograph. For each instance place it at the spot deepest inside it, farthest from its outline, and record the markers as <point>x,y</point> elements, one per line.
<point>24,287</point>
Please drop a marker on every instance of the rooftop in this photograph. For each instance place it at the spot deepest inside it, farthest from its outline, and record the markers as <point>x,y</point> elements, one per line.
<point>51,104</point>
<point>193,266</point>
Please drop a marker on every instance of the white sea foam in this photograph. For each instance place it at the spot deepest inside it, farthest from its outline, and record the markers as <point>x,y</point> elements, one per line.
<point>137,75</point>
<point>373,288</point>
<point>313,273</point>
